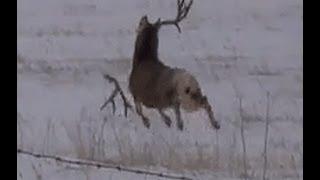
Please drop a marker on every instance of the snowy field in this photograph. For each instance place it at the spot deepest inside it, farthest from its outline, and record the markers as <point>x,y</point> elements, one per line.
<point>237,49</point>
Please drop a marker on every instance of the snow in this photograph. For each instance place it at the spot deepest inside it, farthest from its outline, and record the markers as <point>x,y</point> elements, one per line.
<point>236,49</point>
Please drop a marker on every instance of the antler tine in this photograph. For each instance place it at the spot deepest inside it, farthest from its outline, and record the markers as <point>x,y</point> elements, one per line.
<point>182,12</point>
<point>186,10</point>
<point>179,5</point>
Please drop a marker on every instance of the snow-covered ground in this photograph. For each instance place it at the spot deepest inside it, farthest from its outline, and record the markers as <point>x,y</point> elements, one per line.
<point>235,48</point>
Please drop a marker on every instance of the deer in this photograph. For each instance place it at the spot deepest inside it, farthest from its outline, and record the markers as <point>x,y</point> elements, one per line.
<point>155,85</point>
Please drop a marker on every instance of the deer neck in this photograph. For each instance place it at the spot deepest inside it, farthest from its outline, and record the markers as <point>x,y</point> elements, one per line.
<point>146,46</point>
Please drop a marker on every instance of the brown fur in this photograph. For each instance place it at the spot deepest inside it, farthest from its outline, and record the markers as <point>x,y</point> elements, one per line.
<point>156,85</point>
<point>146,45</point>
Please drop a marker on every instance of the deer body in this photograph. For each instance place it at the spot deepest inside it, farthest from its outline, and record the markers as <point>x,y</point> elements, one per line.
<point>150,83</point>
<point>156,85</point>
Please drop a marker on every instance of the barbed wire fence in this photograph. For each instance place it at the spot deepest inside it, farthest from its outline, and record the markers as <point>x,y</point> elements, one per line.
<point>97,164</point>
<point>100,165</point>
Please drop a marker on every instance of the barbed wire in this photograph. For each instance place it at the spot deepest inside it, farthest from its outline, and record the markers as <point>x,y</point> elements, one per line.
<point>101,165</point>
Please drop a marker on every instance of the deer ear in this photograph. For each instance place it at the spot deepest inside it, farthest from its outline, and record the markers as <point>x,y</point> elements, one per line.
<point>157,23</point>
<point>144,19</point>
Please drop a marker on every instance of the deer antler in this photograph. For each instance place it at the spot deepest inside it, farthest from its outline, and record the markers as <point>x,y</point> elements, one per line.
<point>182,12</point>
<point>115,92</point>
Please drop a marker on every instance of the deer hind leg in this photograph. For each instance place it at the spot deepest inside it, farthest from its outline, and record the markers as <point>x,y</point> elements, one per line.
<point>139,111</point>
<point>165,117</point>
<point>176,108</point>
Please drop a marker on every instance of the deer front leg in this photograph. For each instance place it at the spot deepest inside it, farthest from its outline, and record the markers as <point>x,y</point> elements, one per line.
<point>165,117</point>
<point>178,116</point>
<point>145,120</point>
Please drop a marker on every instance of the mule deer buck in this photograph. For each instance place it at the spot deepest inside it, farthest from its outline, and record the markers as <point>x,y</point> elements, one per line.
<point>156,85</point>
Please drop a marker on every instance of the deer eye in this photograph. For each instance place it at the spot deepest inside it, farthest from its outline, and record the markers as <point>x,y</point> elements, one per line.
<point>187,90</point>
